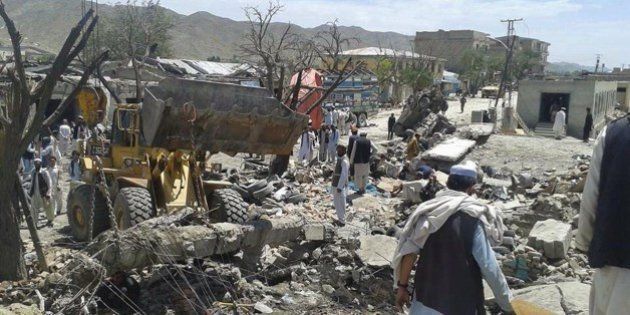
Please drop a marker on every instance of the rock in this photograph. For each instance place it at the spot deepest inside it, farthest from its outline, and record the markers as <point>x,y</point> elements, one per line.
<point>328,289</point>
<point>387,184</point>
<point>376,250</point>
<point>262,308</point>
<point>19,309</point>
<point>545,296</point>
<point>552,237</point>
<point>575,296</point>
<point>561,298</point>
<point>315,232</point>
<point>367,202</point>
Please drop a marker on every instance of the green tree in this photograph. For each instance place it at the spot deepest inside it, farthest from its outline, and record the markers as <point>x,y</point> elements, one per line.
<point>523,64</point>
<point>475,69</point>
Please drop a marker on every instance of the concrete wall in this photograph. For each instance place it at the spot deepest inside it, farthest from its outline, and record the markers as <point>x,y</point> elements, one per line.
<point>599,95</point>
<point>624,100</point>
<point>450,45</point>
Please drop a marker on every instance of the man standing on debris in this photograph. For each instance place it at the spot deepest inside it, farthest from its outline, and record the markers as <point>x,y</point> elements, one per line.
<point>588,125</point>
<point>360,157</point>
<point>322,139</point>
<point>340,183</point>
<point>413,147</point>
<point>333,140</point>
<point>65,137</point>
<point>604,222</point>
<point>390,127</point>
<point>341,122</point>
<point>55,189</point>
<point>40,193</point>
<point>559,123</point>
<point>462,102</point>
<point>451,235</point>
<point>306,145</point>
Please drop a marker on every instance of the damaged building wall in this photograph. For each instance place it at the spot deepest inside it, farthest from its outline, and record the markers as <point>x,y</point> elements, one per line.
<point>536,97</point>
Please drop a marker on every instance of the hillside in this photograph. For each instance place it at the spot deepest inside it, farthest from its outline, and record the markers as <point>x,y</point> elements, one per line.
<point>196,36</point>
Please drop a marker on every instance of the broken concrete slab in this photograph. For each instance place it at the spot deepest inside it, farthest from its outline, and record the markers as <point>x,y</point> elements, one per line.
<point>560,298</point>
<point>366,202</point>
<point>376,250</point>
<point>452,150</point>
<point>142,245</point>
<point>551,237</point>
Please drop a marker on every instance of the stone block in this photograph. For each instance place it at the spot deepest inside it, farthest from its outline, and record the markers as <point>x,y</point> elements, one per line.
<point>376,250</point>
<point>315,232</point>
<point>551,237</point>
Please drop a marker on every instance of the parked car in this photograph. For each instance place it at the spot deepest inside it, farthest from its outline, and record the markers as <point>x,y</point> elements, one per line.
<point>490,91</point>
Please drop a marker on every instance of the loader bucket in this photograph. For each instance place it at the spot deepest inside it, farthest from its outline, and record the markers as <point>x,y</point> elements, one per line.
<point>218,117</point>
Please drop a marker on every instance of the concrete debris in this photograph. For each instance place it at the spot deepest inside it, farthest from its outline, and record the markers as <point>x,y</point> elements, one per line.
<point>552,237</point>
<point>376,250</point>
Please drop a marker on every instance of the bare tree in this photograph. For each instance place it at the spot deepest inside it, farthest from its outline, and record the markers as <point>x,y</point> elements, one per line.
<point>138,30</point>
<point>266,49</point>
<point>21,120</point>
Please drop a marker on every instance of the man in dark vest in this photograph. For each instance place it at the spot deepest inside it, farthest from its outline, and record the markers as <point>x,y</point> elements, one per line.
<point>451,234</point>
<point>588,125</point>
<point>340,184</point>
<point>390,127</point>
<point>351,140</point>
<point>360,158</point>
<point>604,223</point>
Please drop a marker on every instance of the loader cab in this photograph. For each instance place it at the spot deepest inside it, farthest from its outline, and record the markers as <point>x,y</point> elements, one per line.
<point>126,125</point>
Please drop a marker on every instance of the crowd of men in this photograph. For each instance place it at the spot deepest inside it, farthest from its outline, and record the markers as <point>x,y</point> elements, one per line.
<point>448,239</point>
<point>41,166</point>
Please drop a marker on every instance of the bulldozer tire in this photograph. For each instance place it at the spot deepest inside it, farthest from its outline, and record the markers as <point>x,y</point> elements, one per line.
<point>132,206</point>
<point>227,205</point>
<point>78,209</point>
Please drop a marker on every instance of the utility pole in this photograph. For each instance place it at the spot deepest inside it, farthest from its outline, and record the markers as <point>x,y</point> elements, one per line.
<point>599,56</point>
<point>508,58</point>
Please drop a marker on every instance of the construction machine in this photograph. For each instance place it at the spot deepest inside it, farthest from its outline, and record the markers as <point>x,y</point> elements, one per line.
<point>153,162</point>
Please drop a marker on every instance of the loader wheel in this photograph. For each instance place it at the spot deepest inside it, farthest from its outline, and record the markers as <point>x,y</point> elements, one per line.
<point>132,206</point>
<point>227,205</point>
<point>78,209</point>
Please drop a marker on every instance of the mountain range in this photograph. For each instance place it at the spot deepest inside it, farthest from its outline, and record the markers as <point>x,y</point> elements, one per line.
<point>197,36</point>
<point>201,35</point>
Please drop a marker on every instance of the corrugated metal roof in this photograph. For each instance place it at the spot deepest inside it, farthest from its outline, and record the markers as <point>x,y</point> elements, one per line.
<point>377,51</point>
<point>180,64</point>
<point>214,68</point>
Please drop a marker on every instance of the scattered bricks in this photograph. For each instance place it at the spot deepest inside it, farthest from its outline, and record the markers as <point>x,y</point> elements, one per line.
<point>551,237</point>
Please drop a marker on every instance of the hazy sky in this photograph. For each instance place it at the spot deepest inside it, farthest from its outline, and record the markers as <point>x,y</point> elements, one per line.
<point>576,29</point>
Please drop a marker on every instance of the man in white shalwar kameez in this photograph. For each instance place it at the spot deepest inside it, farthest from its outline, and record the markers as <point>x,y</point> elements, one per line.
<point>333,139</point>
<point>307,145</point>
<point>340,183</point>
<point>560,123</point>
<point>65,137</point>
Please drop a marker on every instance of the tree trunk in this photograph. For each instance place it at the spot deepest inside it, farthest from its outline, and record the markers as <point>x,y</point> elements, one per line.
<point>12,266</point>
<point>279,164</point>
<point>31,223</point>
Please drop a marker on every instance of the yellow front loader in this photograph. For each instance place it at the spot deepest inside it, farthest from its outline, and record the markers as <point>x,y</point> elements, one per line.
<point>153,160</point>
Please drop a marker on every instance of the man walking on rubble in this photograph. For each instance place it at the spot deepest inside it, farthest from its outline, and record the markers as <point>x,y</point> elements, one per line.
<point>452,235</point>
<point>333,140</point>
<point>390,127</point>
<point>462,102</point>
<point>340,184</point>
<point>306,145</point>
<point>360,157</point>
<point>604,221</point>
<point>559,123</point>
<point>41,193</point>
